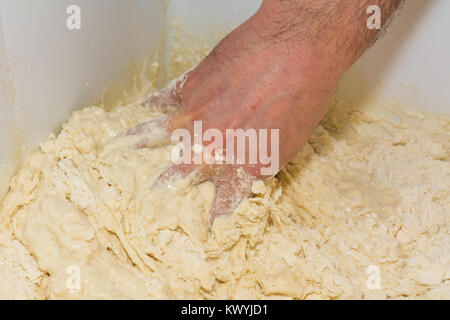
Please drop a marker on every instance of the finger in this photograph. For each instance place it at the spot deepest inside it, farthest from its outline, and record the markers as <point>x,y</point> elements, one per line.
<point>176,172</point>
<point>229,194</point>
<point>165,101</point>
<point>169,98</point>
<point>151,134</point>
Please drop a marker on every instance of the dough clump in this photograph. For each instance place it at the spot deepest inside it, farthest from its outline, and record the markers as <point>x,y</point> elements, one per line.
<point>361,212</point>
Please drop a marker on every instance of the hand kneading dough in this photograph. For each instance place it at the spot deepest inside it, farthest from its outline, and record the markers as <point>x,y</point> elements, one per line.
<point>371,188</point>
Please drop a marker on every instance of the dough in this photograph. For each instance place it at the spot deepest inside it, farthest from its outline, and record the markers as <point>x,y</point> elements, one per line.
<point>20,277</point>
<point>361,212</point>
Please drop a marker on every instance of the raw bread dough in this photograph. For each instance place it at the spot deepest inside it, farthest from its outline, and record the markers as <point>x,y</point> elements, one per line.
<point>20,277</point>
<point>367,199</point>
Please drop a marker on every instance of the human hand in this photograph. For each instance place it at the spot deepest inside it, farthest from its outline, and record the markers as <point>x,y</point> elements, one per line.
<point>253,80</point>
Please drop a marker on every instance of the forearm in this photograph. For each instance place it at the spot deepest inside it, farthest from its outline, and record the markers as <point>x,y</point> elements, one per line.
<point>308,39</point>
<point>330,29</point>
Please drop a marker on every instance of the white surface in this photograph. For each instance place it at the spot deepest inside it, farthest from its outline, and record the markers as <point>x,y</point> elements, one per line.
<point>54,70</point>
<point>413,57</point>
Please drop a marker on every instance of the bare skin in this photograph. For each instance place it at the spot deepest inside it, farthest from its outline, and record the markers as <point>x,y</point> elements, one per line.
<point>278,70</point>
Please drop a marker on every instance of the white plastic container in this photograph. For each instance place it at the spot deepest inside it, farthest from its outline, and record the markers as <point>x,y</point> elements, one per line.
<point>48,70</point>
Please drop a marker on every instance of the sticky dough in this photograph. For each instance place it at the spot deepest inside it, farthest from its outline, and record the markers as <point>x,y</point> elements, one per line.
<point>366,199</point>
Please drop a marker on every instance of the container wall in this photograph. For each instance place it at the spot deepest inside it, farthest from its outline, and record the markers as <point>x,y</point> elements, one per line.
<point>47,69</point>
<point>412,58</point>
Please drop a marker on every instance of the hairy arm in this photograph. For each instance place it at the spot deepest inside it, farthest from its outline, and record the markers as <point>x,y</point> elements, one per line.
<point>338,26</point>
<point>332,33</point>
